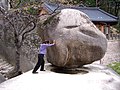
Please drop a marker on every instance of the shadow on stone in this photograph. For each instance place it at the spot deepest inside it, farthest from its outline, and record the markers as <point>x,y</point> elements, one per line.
<point>69,71</point>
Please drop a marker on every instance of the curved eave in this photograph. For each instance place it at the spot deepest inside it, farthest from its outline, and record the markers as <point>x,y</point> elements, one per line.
<point>106,22</point>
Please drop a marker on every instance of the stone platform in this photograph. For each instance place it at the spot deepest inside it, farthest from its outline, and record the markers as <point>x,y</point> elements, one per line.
<point>89,77</point>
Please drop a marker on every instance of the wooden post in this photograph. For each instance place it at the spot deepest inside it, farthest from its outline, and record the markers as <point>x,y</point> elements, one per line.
<point>102,28</point>
<point>108,31</point>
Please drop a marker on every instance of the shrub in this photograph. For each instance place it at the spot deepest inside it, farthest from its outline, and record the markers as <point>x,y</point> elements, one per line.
<point>33,11</point>
<point>115,66</point>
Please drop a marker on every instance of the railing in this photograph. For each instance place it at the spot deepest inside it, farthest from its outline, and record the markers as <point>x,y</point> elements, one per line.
<point>113,36</point>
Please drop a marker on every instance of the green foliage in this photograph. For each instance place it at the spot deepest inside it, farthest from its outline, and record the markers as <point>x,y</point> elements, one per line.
<point>115,66</point>
<point>78,2</point>
<point>74,2</point>
<point>33,11</point>
<point>90,2</point>
<point>28,6</point>
<point>118,27</point>
<point>24,3</point>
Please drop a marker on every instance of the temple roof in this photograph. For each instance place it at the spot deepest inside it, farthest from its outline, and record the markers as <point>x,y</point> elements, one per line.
<point>95,14</point>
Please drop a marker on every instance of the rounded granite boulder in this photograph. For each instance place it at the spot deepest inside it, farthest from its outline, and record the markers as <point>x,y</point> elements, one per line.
<point>78,40</point>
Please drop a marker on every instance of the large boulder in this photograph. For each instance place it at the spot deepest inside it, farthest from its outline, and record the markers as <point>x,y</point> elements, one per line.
<point>78,40</point>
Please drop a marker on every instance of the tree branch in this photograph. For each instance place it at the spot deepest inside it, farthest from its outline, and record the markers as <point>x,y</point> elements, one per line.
<point>24,35</point>
<point>22,30</point>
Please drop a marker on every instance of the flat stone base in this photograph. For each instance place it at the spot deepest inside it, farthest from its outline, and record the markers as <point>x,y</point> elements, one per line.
<point>89,77</point>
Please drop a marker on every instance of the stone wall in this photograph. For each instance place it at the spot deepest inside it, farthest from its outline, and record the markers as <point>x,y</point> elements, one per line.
<point>113,52</point>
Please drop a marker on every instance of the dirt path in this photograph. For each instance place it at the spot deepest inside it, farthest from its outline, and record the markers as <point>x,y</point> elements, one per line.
<point>113,52</point>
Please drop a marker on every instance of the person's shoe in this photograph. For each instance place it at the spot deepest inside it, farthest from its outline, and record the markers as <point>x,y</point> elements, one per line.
<point>35,72</point>
<point>42,70</point>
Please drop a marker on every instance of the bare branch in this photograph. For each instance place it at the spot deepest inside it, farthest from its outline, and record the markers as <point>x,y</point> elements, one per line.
<point>2,10</point>
<point>24,35</point>
<point>23,27</point>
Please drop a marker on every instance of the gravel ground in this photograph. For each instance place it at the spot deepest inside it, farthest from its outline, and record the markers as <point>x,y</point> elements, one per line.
<point>113,52</point>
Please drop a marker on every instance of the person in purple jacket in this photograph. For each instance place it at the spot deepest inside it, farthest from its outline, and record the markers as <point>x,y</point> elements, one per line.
<point>42,52</point>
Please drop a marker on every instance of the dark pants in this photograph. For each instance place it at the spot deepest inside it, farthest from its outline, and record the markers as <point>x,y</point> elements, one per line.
<point>40,62</point>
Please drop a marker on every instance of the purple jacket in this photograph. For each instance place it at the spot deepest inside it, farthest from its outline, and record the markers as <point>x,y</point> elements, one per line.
<point>43,48</point>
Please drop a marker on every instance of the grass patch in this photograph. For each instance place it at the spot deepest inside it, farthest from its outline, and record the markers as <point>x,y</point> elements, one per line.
<point>115,66</point>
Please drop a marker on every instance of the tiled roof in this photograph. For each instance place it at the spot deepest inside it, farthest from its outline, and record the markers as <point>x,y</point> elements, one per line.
<point>97,14</point>
<point>49,8</point>
<point>94,13</point>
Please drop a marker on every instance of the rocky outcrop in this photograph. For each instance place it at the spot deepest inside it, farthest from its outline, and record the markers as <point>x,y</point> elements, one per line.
<point>2,79</point>
<point>5,4</point>
<point>8,55</point>
<point>78,41</point>
<point>89,77</point>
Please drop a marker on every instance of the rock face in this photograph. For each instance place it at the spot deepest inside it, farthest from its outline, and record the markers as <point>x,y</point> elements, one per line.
<point>2,79</point>
<point>5,4</point>
<point>78,41</point>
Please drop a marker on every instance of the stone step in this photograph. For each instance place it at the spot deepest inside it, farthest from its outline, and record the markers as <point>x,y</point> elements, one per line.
<point>7,70</point>
<point>2,63</point>
<point>1,60</point>
<point>5,67</point>
<point>11,68</point>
